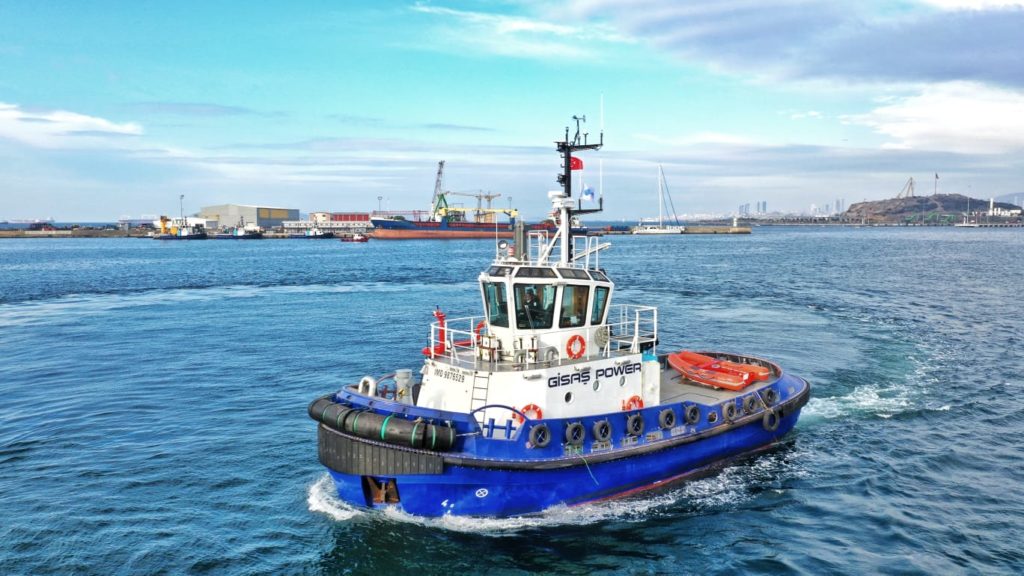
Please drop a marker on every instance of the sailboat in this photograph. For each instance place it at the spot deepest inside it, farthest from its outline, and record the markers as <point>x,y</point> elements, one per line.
<point>660,228</point>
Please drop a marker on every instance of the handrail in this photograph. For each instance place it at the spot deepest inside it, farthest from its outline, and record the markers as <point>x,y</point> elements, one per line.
<point>630,326</point>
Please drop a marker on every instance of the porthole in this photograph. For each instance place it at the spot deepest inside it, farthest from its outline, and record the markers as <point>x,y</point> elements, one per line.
<point>597,385</point>
<point>622,380</point>
<point>712,417</point>
<point>568,397</point>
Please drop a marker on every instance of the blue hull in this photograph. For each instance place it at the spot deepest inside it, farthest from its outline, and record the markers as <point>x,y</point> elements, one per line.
<point>493,491</point>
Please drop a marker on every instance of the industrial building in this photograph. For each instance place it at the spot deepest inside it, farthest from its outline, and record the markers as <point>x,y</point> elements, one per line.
<point>229,215</point>
<point>338,222</point>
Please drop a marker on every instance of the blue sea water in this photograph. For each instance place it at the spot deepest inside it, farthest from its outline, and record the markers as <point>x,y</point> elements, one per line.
<point>153,406</point>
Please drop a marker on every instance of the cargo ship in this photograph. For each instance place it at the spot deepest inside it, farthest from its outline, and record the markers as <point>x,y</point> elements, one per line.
<point>443,221</point>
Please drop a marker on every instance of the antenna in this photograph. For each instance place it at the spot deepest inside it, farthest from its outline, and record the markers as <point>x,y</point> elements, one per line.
<point>578,119</point>
<point>563,203</point>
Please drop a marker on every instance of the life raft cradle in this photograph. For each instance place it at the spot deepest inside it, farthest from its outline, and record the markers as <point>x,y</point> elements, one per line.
<point>717,373</point>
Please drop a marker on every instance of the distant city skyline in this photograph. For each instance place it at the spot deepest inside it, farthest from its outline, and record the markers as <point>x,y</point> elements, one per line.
<point>116,109</point>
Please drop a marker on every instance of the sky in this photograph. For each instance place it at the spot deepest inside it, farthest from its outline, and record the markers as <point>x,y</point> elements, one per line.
<point>115,109</point>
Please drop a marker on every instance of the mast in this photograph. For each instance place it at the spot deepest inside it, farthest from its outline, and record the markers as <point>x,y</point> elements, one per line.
<point>661,197</point>
<point>564,202</point>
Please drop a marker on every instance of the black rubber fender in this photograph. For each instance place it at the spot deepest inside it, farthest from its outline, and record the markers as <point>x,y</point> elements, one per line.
<point>575,433</point>
<point>667,418</point>
<point>635,424</point>
<point>750,404</point>
<point>729,411</point>
<point>540,435</point>
<point>602,430</point>
<point>771,396</point>
<point>692,414</point>
<point>388,428</point>
<point>770,421</point>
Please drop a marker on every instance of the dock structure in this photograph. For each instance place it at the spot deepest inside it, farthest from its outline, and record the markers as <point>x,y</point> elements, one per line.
<point>717,230</point>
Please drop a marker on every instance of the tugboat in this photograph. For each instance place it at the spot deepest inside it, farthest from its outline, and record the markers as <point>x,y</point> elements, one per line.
<point>553,397</point>
<point>179,229</point>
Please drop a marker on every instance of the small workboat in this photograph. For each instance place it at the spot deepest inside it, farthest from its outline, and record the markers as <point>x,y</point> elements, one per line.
<point>554,396</point>
<point>355,238</point>
<point>242,231</point>
<point>314,233</point>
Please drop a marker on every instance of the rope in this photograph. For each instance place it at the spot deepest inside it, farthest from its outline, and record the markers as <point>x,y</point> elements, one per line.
<point>587,464</point>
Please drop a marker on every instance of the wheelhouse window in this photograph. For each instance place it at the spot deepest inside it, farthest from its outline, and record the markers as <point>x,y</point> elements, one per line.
<point>498,271</point>
<point>600,301</point>
<point>536,273</point>
<point>535,305</point>
<point>574,306</point>
<point>496,304</point>
<point>574,273</point>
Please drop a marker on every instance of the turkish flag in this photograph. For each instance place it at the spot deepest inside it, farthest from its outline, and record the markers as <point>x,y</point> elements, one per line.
<point>575,163</point>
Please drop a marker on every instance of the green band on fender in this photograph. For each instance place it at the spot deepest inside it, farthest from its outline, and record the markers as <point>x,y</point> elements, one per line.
<point>384,425</point>
<point>433,436</point>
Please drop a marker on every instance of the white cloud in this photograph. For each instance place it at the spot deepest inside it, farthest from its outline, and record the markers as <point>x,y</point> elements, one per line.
<point>517,36</point>
<point>696,139</point>
<point>810,114</point>
<point>974,4</point>
<point>62,129</point>
<point>960,117</point>
<point>847,43</point>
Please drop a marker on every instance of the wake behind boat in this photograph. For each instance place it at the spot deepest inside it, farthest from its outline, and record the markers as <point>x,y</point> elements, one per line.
<point>555,396</point>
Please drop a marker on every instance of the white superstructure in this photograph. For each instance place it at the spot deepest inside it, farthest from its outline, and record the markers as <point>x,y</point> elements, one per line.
<point>551,342</point>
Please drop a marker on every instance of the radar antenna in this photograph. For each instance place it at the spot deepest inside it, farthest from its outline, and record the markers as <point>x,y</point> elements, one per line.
<point>565,205</point>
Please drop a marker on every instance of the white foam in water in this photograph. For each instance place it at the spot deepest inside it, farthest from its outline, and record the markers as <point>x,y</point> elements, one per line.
<point>62,308</point>
<point>627,510</point>
<point>884,403</point>
<point>722,489</point>
<point>322,498</point>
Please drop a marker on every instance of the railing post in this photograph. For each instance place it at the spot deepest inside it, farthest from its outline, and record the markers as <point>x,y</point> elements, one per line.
<point>636,332</point>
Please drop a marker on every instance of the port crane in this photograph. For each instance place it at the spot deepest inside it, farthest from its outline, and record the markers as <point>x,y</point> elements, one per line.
<point>908,189</point>
<point>480,197</point>
<point>439,203</point>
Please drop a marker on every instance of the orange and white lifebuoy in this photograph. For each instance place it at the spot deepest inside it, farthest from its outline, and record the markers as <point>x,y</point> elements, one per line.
<point>532,411</point>
<point>634,403</point>
<point>575,347</point>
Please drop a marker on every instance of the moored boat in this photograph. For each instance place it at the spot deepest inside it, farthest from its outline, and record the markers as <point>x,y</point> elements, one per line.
<point>554,396</point>
<point>357,237</point>
<point>243,231</point>
<point>314,233</point>
<point>443,221</point>
<point>661,228</point>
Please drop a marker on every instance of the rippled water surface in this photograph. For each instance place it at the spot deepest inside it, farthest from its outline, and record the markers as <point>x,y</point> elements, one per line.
<point>153,398</point>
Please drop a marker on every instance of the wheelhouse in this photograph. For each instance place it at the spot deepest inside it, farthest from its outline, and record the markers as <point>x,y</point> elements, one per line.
<point>530,297</point>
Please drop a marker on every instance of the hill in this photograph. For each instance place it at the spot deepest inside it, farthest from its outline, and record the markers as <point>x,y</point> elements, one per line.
<point>936,208</point>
